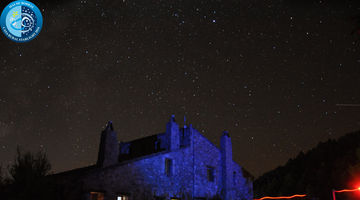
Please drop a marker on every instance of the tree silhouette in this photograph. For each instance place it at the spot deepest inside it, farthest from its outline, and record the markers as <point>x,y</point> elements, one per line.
<point>28,167</point>
<point>28,177</point>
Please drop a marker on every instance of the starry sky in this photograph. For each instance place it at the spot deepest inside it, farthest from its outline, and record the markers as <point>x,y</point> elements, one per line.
<point>271,72</point>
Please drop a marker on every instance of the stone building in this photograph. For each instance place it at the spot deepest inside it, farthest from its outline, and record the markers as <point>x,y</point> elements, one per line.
<point>177,164</point>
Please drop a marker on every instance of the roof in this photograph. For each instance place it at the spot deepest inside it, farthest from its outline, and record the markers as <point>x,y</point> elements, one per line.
<point>141,147</point>
<point>75,172</point>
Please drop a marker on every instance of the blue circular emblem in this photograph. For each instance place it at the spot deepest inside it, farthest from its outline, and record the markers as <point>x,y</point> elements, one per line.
<point>21,21</point>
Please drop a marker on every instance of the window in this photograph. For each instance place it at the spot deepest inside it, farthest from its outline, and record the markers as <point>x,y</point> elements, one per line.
<point>168,166</point>
<point>210,174</point>
<point>96,196</point>
<point>234,178</point>
<point>122,197</point>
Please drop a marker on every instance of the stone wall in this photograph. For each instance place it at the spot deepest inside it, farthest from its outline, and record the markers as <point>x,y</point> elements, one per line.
<point>144,176</point>
<point>242,187</point>
<point>206,155</point>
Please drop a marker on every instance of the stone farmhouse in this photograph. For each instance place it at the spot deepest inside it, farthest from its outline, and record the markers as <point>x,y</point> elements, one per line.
<point>177,164</point>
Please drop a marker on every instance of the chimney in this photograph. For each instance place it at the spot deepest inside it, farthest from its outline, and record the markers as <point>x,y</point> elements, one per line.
<point>172,132</point>
<point>226,165</point>
<point>109,147</point>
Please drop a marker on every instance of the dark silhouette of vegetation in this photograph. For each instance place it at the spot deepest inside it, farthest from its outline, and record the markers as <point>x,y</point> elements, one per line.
<point>28,177</point>
<point>334,164</point>
<point>28,167</point>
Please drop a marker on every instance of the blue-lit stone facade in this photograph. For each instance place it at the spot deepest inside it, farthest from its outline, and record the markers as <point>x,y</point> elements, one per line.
<point>195,168</point>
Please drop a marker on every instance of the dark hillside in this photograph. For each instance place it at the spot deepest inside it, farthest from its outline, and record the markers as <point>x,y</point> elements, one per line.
<point>334,164</point>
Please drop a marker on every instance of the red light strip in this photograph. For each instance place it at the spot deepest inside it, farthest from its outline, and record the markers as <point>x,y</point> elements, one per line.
<point>285,197</point>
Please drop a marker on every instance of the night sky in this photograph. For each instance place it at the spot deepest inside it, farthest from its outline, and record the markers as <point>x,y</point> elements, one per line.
<point>271,72</point>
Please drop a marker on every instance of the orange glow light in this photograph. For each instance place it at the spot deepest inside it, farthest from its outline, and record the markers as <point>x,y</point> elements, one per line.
<point>285,197</point>
<point>346,190</point>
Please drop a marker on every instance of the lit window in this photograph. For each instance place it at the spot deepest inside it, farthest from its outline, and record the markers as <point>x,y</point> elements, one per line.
<point>123,197</point>
<point>210,174</point>
<point>168,167</point>
<point>96,196</point>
